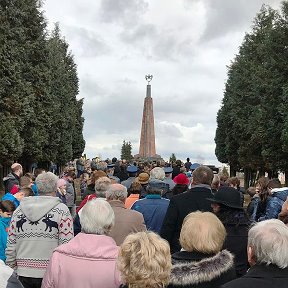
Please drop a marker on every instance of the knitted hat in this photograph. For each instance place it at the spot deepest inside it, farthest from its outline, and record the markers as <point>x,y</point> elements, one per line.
<point>61,182</point>
<point>46,182</point>
<point>181,179</point>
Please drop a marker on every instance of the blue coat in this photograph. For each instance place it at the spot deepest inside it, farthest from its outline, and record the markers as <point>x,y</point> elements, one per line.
<point>10,197</point>
<point>4,225</point>
<point>274,203</point>
<point>153,209</point>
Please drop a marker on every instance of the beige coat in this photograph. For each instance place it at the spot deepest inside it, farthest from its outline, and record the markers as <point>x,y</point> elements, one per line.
<point>126,221</point>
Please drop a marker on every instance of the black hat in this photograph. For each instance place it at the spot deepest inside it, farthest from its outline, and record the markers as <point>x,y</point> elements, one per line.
<point>227,196</point>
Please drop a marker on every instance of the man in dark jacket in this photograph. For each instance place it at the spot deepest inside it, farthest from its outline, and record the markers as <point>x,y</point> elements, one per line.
<point>13,178</point>
<point>183,204</point>
<point>268,256</point>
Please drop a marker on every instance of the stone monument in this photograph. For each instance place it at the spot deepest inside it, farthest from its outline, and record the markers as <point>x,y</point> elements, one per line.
<point>147,150</point>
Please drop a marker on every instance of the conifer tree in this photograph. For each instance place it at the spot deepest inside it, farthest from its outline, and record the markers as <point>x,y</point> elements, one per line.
<point>39,109</point>
<point>126,151</point>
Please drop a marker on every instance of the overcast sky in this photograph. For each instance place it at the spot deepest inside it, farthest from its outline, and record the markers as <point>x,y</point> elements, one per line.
<point>186,46</point>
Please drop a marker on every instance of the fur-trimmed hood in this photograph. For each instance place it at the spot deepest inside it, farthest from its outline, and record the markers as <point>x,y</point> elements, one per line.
<point>192,272</point>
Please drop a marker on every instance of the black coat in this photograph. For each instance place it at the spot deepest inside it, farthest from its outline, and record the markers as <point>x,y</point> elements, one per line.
<point>237,224</point>
<point>261,276</point>
<point>179,207</point>
<point>197,270</point>
<point>89,190</point>
<point>176,171</point>
<point>236,243</point>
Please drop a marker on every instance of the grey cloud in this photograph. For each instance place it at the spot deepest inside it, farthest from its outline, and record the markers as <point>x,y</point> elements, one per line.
<point>113,113</point>
<point>126,12</point>
<point>139,33</point>
<point>164,129</point>
<point>127,81</point>
<point>89,43</point>
<point>193,104</point>
<point>226,16</point>
<point>156,43</point>
<point>89,88</point>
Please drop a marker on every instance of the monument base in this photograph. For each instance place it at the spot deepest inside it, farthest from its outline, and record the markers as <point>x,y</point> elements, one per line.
<point>154,158</point>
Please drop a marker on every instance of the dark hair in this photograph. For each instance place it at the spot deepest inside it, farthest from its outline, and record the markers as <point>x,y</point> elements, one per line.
<point>123,168</point>
<point>30,175</point>
<point>38,171</point>
<point>274,183</point>
<point>234,181</point>
<point>178,163</point>
<point>232,216</point>
<point>27,191</point>
<point>179,188</point>
<point>263,193</point>
<point>135,188</point>
<point>188,159</point>
<point>71,173</point>
<point>251,191</point>
<point>25,181</point>
<point>7,206</point>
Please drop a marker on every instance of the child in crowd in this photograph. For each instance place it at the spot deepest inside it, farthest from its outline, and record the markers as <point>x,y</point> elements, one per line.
<point>17,197</point>
<point>33,184</point>
<point>6,209</point>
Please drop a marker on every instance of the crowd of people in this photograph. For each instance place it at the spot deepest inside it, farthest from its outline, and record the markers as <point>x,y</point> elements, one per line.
<point>141,225</point>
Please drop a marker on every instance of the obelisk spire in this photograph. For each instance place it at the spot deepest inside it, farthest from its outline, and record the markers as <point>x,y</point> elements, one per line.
<point>147,140</point>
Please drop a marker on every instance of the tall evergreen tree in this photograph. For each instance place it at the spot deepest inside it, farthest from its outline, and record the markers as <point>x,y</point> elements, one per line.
<point>126,151</point>
<point>39,109</point>
<point>250,121</point>
<point>172,158</point>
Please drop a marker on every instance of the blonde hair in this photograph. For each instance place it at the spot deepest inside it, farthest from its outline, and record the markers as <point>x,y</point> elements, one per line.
<point>144,260</point>
<point>202,232</point>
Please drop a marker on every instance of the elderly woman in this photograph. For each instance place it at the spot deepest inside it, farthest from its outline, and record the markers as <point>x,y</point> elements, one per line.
<point>101,186</point>
<point>201,262</point>
<point>157,176</point>
<point>88,260</point>
<point>144,261</point>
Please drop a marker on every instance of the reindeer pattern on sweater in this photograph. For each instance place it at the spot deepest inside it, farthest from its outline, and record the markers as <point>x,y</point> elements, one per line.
<point>33,235</point>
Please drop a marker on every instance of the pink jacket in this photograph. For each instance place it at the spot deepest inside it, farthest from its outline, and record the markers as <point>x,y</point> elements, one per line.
<point>88,260</point>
